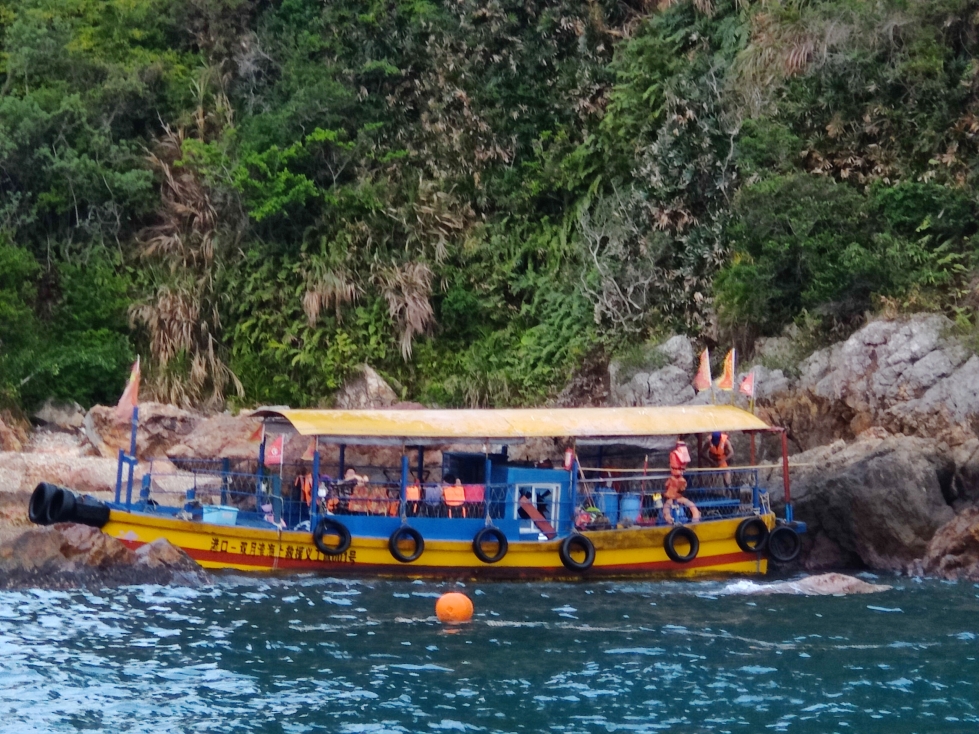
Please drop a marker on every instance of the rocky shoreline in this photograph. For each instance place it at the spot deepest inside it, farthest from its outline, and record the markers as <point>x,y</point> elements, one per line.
<point>884,429</point>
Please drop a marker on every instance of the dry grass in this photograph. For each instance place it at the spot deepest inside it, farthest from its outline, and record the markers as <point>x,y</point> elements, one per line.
<point>407,289</point>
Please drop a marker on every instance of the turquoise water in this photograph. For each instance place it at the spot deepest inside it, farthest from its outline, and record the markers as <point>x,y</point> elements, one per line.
<point>311,654</point>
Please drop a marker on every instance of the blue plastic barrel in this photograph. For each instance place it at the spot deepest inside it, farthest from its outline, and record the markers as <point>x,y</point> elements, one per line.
<point>629,506</point>
<point>608,502</point>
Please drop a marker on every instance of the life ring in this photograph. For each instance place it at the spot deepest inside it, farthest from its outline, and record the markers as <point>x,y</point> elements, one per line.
<point>37,509</point>
<point>577,542</point>
<point>684,533</point>
<point>328,526</point>
<point>491,534</point>
<point>61,508</point>
<point>751,535</point>
<point>406,531</point>
<point>784,544</point>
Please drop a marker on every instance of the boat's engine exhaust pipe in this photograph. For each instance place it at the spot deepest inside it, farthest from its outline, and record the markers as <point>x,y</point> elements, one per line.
<point>50,504</point>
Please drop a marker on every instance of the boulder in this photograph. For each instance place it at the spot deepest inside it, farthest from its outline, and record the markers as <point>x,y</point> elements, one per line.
<point>875,503</point>
<point>218,437</point>
<point>21,472</point>
<point>160,428</point>
<point>60,415</point>
<point>68,555</point>
<point>662,376</point>
<point>365,389</point>
<point>826,584</point>
<point>954,551</point>
<point>908,375</point>
<point>10,438</point>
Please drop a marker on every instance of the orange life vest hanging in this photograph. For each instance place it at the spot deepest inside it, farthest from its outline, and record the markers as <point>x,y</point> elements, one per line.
<point>718,453</point>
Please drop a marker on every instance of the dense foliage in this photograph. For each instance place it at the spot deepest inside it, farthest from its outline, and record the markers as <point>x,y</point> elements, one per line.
<point>475,197</point>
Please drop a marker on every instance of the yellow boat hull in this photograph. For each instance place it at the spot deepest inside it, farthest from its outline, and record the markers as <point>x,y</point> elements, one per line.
<point>635,552</point>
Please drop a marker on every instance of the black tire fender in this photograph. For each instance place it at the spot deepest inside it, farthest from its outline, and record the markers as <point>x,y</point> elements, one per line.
<point>328,526</point>
<point>784,544</point>
<point>577,541</point>
<point>404,532</point>
<point>752,535</point>
<point>490,533</point>
<point>669,544</point>
<point>61,508</point>
<point>37,508</point>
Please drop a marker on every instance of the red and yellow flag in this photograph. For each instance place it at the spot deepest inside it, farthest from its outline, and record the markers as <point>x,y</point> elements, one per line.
<point>273,452</point>
<point>702,379</point>
<point>130,396</point>
<point>727,378</point>
<point>748,385</point>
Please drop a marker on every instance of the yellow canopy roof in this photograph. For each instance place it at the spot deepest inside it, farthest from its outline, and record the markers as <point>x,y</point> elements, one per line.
<point>513,425</point>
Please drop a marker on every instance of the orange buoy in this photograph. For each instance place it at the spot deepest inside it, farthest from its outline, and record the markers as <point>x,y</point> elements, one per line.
<point>454,608</point>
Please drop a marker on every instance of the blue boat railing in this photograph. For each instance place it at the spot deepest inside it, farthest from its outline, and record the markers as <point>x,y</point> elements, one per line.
<point>267,499</point>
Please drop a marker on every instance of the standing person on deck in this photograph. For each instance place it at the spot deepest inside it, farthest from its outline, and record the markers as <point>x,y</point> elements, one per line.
<point>719,452</point>
<point>676,484</point>
<point>302,493</point>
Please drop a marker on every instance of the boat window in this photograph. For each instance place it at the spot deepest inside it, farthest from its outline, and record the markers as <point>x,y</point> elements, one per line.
<point>545,498</point>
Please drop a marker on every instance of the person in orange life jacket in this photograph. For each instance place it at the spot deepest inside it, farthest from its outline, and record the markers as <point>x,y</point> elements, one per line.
<point>302,494</point>
<point>413,498</point>
<point>675,484</point>
<point>360,493</point>
<point>720,451</point>
<point>454,495</point>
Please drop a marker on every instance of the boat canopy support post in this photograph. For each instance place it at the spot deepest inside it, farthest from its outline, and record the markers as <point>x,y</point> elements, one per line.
<point>575,469</point>
<point>314,499</point>
<point>225,479</point>
<point>343,461</point>
<point>420,477</point>
<point>261,467</point>
<point>785,475</point>
<point>404,481</point>
<point>751,444</point>
<point>130,461</point>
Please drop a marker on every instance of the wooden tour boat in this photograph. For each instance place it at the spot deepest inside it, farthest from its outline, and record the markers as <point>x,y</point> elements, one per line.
<point>600,515</point>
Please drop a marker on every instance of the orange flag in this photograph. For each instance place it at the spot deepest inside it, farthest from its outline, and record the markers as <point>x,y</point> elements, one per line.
<point>258,434</point>
<point>748,385</point>
<point>273,452</point>
<point>702,379</point>
<point>130,396</point>
<point>727,378</point>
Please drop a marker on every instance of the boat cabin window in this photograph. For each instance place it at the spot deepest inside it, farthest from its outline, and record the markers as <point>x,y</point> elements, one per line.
<point>544,498</point>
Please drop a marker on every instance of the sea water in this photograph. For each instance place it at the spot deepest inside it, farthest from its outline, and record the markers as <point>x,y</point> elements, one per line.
<point>250,654</point>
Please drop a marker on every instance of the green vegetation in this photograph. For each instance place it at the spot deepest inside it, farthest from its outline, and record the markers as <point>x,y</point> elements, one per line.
<point>474,197</point>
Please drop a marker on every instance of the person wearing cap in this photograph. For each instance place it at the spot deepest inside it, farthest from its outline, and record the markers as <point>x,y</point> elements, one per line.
<point>719,452</point>
<point>676,484</point>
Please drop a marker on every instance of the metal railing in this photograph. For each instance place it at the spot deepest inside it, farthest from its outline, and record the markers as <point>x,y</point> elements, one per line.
<point>258,498</point>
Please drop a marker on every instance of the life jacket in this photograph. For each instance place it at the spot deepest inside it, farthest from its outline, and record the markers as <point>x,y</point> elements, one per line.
<point>305,484</point>
<point>413,493</point>
<point>454,495</point>
<point>679,458</point>
<point>719,453</point>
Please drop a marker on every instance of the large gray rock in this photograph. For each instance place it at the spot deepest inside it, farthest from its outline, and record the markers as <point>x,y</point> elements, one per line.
<point>954,551</point>
<point>365,389</point>
<point>161,427</point>
<point>662,378</point>
<point>874,503</point>
<point>827,584</point>
<point>60,415</point>
<point>68,555</point>
<point>218,437</point>
<point>9,439</point>
<point>907,375</point>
